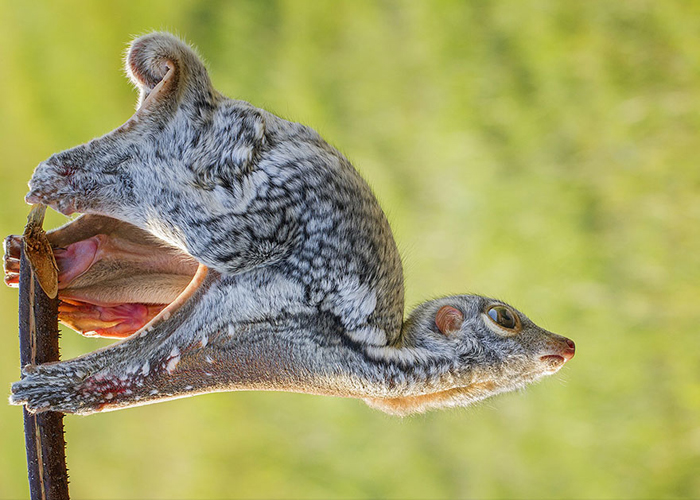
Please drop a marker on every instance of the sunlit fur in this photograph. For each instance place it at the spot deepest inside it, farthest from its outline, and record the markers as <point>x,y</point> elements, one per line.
<point>305,287</point>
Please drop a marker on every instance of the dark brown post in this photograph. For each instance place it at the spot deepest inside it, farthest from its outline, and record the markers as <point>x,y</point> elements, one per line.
<point>38,343</point>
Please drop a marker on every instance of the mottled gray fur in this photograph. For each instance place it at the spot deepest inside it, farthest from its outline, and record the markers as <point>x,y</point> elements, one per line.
<point>305,288</point>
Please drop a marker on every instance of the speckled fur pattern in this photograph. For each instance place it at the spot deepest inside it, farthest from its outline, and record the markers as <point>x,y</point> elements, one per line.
<point>305,286</point>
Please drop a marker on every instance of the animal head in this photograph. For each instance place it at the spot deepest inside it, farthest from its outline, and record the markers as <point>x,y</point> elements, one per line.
<point>478,347</point>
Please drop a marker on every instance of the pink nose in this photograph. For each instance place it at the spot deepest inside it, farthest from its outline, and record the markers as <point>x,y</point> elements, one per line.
<point>570,350</point>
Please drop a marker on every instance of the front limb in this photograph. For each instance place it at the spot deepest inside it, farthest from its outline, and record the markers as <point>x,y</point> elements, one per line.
<point>137,370</point>
<point>183,168</point>
<point>192,349</point>
<point>186,350</point>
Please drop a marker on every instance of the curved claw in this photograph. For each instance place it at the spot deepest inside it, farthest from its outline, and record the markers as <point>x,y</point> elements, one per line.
<point>12,245</point>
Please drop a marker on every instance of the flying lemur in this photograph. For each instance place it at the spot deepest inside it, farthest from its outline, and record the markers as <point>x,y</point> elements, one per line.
<point>235,250</point>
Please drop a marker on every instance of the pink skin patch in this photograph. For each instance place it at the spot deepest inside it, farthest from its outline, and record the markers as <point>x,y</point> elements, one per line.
<point>96,319</point>
<point>82,306</point>
<point>105,388</point>
<point>112,321</point>
<point>104,385</point>
<point>75,259</point>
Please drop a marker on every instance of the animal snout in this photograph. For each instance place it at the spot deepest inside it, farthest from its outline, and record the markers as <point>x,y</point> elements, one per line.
<point>560,352</point>
<point>569,351</point>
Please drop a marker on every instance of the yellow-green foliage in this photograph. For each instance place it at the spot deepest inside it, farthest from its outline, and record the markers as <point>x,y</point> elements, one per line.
<point>542,152</point>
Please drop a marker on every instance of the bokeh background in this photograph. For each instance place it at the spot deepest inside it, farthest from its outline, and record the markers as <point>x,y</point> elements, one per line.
<point>545,153</point>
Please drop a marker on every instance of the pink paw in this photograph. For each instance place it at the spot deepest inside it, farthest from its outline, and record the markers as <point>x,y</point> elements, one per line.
<point>12,246</point>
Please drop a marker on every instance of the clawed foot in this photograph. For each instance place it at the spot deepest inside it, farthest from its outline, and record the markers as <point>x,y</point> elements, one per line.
<point>106,379</point>
<point>64,387</point>
<point>12,246</point>
<point>47,387</point>
<point>56,183</point>
<point>72,261</point>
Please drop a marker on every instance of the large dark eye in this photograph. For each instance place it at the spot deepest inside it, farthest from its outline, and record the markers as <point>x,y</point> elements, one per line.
<point>503,316</point>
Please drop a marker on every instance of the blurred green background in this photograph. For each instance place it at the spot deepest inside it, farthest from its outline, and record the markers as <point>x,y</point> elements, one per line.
<point>545,153</point>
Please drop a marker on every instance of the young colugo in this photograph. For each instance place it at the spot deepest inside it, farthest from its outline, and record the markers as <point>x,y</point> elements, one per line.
<point>233,250</point>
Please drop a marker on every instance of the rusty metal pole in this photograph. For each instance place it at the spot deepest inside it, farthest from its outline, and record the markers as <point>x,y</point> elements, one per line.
<point>38,343</point>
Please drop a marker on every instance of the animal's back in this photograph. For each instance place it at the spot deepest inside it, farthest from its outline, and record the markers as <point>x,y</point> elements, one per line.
<point>243,190</point>
<point>345,255</point>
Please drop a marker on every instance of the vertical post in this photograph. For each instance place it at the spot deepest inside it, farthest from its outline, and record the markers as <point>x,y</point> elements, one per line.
<point>38,343</point>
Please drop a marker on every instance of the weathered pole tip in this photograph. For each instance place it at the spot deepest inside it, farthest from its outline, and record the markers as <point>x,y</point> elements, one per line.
<point>38,251</point>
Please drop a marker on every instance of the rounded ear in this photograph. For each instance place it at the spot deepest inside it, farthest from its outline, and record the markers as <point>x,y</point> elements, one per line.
<point>449,320</point>
<point>161,66</point>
